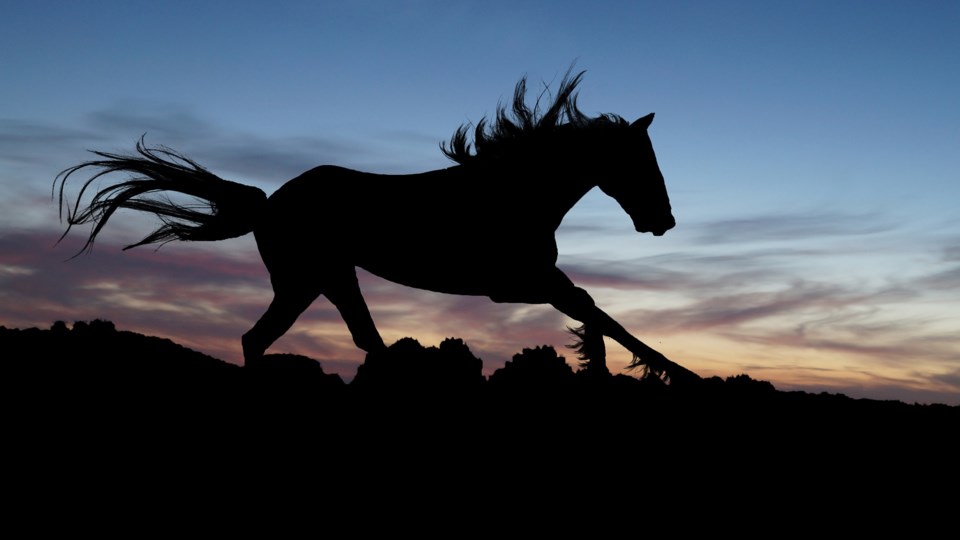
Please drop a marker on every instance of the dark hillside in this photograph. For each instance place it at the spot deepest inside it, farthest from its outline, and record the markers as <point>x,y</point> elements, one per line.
<point>94,371</point>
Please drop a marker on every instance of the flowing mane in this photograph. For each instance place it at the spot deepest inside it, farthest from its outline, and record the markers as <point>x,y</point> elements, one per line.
<point>527,128</point>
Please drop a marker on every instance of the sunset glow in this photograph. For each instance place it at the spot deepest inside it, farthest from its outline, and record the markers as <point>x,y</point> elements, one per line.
<point>810,152</point>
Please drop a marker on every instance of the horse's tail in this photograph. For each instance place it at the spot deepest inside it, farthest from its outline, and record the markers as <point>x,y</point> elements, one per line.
<point>221,209</point>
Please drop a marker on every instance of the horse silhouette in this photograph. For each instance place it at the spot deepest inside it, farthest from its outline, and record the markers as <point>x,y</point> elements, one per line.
<point>485,226</point>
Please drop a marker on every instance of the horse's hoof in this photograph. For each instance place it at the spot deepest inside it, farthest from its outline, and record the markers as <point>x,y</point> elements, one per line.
<point>681,376</point>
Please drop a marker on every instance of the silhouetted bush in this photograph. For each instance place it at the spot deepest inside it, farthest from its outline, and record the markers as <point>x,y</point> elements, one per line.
<point>743,384</point>
<point>94,371</point>
<point>409,365</point>
<point>537,368</point>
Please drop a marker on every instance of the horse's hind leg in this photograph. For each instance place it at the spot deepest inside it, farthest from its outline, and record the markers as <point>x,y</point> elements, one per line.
<point>294,294</point>
<point>344,293</point>
<point>291,297</point>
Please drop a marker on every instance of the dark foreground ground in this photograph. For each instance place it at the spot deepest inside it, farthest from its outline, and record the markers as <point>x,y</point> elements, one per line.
<point>120,375</point>
<point>105,420</point>
<point>92,383</point>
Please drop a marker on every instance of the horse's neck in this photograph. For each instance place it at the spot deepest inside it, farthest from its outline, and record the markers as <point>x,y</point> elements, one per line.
<point>557,191</point>
<point>546,195</point>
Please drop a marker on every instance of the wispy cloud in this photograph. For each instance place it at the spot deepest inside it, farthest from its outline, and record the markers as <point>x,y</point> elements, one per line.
<point>207,296</point>
<point>952,251</point>
<point>266,159</point>
<point>767,281</point>
<point>250,156</point>
<point>185,292</point>
<point>946,280</point>
<point>790,227</point>
<point>24,142</point>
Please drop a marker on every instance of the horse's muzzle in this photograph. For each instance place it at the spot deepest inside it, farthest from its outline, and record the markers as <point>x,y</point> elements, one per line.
<point>657,229</point>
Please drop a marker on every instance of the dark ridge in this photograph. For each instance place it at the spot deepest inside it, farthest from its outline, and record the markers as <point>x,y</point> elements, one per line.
<point>97,354</point>
<point>94,406</point>
<point>94,374</point>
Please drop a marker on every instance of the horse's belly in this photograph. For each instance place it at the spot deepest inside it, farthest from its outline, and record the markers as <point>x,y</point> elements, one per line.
<point>432,274</point>
<point>482,268</point>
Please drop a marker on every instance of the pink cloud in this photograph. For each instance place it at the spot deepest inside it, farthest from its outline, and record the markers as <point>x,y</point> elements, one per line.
<point>207,299</point>
<point>207,296</point>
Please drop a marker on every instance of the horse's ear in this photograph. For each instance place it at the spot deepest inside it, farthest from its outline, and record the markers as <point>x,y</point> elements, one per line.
<point>643,123</point>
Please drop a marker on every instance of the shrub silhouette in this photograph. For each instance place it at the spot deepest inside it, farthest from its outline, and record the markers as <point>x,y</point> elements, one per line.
<point>94,371</point>
<point>408,364</point>
<point>540,367</point>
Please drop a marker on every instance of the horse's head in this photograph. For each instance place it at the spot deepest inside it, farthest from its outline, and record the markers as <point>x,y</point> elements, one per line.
<point>635,180</point>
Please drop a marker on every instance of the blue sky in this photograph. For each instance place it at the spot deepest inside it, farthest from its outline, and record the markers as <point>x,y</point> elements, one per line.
<point>810,150</point>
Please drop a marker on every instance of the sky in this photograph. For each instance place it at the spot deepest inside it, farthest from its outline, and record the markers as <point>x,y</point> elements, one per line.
<point>811,151</point>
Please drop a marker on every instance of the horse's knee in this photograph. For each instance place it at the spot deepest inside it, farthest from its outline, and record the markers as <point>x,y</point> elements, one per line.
<point>575,302</point>
<point>582,297</point>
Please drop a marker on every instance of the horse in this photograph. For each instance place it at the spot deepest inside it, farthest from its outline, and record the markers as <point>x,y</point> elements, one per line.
<point>484,226</point>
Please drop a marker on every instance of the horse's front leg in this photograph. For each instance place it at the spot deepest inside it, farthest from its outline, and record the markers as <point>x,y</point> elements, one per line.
<point>577,304</point>
<point>590,349</point>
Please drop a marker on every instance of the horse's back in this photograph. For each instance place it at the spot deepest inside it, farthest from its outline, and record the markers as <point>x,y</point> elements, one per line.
<point>437,230</point>
<point>443,201</point>
<point>343,193</point>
